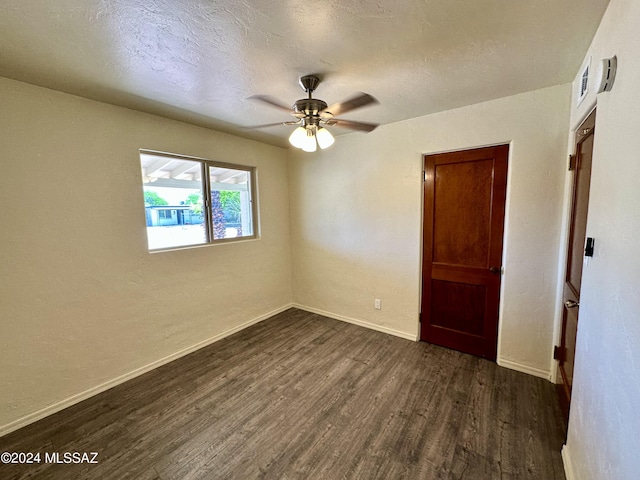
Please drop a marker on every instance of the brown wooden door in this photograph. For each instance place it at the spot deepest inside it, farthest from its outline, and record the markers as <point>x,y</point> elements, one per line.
<point>464,199</point>
<point>575,256</point>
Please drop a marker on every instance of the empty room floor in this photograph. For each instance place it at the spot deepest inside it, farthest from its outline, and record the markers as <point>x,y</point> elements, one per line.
<point>301,396</point>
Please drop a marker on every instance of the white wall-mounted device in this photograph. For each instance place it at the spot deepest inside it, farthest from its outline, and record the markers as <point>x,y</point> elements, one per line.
<point>606,74</point>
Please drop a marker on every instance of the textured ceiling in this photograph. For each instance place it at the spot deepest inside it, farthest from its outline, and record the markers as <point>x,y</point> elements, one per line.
<point>199,60</point>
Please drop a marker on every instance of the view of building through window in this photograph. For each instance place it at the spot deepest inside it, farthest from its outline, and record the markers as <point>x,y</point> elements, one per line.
<point>175,192</point>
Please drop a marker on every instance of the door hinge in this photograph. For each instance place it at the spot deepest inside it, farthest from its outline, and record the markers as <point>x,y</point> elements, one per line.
<point>424,176</point>
<point>572,162</point>
<point>559,353</point>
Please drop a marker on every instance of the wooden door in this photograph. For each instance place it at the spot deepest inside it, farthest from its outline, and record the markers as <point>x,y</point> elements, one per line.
<point>464,201</point>
<point>581,165</point>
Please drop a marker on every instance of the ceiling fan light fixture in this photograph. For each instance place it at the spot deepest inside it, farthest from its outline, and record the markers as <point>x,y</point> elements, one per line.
<point>298,137</point>
<point>309,144</point>
<point>325,139</point>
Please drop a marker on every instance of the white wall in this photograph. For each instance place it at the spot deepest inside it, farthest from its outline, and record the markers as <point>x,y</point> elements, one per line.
<point>82,302</point>
<point>356,219</point>
<point>604,426</point>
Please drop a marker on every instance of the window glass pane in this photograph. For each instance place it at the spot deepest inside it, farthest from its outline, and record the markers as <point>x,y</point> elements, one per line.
<point>173,201</point>
<point>230,203</point>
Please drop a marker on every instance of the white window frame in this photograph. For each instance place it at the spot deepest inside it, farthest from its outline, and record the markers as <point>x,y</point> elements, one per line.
<point>205,165</point>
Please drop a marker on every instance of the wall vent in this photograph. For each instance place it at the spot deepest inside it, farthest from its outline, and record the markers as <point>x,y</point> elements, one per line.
<point>583,84</point>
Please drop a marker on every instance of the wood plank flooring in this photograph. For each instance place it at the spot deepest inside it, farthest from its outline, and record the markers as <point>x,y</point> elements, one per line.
<point>301,396</point>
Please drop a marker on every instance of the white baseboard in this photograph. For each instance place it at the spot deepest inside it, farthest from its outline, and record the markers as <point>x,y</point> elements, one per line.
<point>569,472</point>
<point>56,407</point>
<point>553,375</point>
<point>361,323</point>
<point>520,367</point>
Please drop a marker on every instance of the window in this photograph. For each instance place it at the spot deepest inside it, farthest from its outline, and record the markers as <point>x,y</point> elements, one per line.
<point>191,201</point>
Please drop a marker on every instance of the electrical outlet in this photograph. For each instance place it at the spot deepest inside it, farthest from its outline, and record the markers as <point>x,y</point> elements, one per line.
<point>377,304</point>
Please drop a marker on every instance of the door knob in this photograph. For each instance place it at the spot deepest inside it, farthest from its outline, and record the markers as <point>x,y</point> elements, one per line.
<point>571,304</point>
<point>494,270</point>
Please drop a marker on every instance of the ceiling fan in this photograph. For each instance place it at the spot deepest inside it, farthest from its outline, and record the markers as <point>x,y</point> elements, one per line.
<point>312,114</point>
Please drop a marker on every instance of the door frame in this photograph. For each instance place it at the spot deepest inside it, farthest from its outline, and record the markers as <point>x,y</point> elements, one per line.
<point>505,233</point>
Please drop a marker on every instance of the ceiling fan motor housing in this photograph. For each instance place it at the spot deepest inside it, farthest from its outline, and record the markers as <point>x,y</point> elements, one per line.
<point>309,106</point>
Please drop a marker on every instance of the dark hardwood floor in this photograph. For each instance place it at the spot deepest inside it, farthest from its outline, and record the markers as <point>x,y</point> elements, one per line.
<point>300,396</point>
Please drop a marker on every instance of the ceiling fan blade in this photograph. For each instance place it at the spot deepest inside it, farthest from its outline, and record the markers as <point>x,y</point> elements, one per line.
<point>360,126</point>
<point>252,127</point>
<point>348,105</point>
<point>272,102</point>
